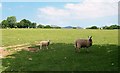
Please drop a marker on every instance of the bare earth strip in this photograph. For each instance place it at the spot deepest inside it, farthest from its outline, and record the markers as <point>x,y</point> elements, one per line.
<point>4,52</point>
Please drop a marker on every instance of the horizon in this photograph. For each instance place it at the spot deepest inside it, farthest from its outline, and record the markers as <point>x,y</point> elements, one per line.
<point>83,14</point>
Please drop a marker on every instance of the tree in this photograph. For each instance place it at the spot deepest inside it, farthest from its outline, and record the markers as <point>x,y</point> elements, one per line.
<point>74,27</point>
<point>112,27</point>
<point>32,25</point>
<point>25,23</point>
<point>19,25</point>
<point>93,27</point>
<point>106,27</point>
<point>57,27</point>
<point>11,21</point>
<point>40,26</point>
<point>4,24</point>
<point>47,26</point>
<point>118,27</point>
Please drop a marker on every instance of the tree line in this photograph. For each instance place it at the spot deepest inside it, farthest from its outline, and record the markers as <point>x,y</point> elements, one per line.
<point>105,27</point>
<point>11,22</point>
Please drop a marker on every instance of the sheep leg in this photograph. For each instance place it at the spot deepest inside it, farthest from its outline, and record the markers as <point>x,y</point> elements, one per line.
<point>40,46</point>
<point>75,49</point>
<point>87,49</point>
<point>47,47</point>
<point>78,47</point>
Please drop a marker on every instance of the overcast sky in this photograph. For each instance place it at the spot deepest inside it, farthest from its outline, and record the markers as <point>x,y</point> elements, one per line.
<point>83,13</point>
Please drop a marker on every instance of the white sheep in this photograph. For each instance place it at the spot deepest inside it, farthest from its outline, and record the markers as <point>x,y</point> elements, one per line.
<point>44,43</point>
<point>79,43</point>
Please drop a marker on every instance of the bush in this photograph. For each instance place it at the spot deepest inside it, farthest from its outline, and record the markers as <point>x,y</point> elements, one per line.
<point>93,27</point>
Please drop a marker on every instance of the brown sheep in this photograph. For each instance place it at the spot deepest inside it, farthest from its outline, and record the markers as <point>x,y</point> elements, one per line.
<point>85,43</point>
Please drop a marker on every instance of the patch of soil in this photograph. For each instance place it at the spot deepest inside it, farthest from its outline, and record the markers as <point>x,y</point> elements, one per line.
<point>31,49</point>
<point>15,48</point>
<point>3,53</point>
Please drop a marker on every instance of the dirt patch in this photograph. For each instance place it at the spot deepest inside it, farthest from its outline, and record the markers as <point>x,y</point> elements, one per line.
<point>31,49</point>
<point>4,51</point>
<point>17,46</point>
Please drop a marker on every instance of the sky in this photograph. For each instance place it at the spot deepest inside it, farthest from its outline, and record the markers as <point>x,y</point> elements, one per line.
<point>82,13</point>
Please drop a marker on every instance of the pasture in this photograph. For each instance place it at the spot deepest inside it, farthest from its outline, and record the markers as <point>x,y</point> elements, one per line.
<point>61,56</point>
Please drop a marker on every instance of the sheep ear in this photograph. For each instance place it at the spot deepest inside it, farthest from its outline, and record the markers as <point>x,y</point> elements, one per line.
<point>90,36</point>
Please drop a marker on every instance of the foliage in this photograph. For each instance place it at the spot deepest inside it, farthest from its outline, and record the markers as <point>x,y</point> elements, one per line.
<point>26,24</point>
<point>11,21</point>
<point>47,26</point>
<point>57,27</point>
<point>112,27</point>
<point>74,28</point>
<point>4,24</point>
<point>93,27</point>
<point>40,26</point>
<point>32,25</point>
<point>106,27</point>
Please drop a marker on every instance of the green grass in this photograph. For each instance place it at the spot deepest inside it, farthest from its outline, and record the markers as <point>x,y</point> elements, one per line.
<point>61,56</point>
<point>21,36</point>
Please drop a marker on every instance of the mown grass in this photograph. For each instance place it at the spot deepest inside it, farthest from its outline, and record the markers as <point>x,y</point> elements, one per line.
<point>61,56</point>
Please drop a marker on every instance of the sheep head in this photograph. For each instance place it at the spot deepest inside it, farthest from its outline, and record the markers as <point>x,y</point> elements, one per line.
<point>90,40</point>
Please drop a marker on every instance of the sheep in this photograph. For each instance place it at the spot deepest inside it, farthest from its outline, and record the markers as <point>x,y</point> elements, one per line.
<point>44,43</point>
<point>85,43</point>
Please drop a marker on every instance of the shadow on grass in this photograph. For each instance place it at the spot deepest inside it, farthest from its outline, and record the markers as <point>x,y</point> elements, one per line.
<point>62,57</point>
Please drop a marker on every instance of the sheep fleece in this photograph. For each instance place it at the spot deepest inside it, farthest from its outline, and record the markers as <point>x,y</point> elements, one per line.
<point>44,43</point>
<point>82,43</point>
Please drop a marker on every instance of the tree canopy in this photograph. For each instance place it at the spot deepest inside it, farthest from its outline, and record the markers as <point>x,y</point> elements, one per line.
<point>112,27</point>
<point>11,22</point>
<point>93,27</point>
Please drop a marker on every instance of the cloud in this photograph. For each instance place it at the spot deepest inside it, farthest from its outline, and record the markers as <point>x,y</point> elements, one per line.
<point>54,11</point>
<point>51,14</point>
<point>0,5</point>
<point>88,9</point>
<point>105,1</point>
<point>92,9</point>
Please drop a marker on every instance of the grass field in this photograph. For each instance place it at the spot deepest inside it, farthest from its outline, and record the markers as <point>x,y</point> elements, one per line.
<point>21,36</point>
<point>61,56</point>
